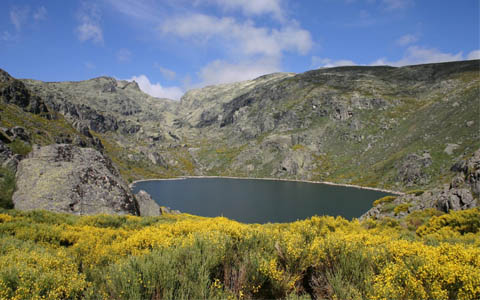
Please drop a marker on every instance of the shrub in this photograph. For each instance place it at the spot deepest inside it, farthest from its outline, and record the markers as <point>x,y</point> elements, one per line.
<point>41,274</point>
<point>401,208</point>
<point>20,147</point>
<point>388,207</point>
<point>386,199</point>
<point>59,256</point>
<point>415,192</point>
<point>464,221</point>
<point>175,273</point>
<point>7,187</point>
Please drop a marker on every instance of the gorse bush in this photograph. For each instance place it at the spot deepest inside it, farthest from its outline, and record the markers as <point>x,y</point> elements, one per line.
<point>383,200</point>
<point>59,256</point>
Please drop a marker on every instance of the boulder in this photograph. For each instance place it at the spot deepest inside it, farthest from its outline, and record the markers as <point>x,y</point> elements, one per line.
<point>66,178</point>
<point>147,206</point>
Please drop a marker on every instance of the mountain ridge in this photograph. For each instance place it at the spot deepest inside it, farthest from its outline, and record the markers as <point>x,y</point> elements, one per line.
<point>395,128</point>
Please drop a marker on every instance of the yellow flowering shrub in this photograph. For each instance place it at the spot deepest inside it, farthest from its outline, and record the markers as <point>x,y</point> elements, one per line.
<point>386,199</point>
<point>40,274</point>
<point>59,256</point>
<point>5,218</point>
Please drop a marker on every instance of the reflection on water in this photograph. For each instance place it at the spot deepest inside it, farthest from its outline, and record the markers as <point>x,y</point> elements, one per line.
<point>259,201</point>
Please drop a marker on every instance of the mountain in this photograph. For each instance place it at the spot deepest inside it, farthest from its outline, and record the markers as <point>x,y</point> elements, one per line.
<point>394,128</point>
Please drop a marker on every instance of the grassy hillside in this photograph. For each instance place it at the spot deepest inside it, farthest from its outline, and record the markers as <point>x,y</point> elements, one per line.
<point>45,255</point>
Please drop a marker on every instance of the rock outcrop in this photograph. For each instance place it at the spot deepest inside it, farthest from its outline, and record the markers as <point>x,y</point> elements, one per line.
<point>147,206</point>
<point>8,159</point>
<point>15,92</point>
<point>462,193</point>
<point>66,178</point>
<point>412,169</point>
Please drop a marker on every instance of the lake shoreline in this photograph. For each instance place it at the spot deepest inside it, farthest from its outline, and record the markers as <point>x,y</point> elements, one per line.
<point>275,179</point>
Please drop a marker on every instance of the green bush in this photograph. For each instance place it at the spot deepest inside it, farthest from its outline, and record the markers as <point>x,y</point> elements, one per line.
<point>386,199</point>
<point>20,147</point>
<point>179,273</point>
<point>345,273</point>
<point>388,207</point>
<point>7,187</point>
<point>415,192</point>
<point>401,208</point>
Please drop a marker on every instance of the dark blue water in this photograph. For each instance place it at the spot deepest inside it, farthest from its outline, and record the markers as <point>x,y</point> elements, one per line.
<point>259,201</point>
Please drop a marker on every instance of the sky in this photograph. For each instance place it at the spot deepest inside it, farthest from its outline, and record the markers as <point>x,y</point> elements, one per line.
<point>171,46</point>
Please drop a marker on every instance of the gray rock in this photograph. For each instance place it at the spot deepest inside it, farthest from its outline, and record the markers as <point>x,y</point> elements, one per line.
<point>147,206</point>
<point>412,169</point>
<point>462,192</point>
<point>66,178</point>
<point>450,148</point>
<point>8,159</point>
<point>157,159</point>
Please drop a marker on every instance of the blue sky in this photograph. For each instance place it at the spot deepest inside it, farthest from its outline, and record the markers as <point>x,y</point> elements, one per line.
<point>170,46</point>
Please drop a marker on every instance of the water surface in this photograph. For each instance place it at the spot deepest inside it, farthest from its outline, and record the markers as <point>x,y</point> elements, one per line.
<point>259,201</point>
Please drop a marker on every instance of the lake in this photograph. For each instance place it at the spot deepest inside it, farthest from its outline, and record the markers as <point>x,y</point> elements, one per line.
<point>259,201</point>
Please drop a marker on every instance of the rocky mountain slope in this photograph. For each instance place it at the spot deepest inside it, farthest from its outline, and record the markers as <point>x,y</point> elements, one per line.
<point>394,128</point>
<point>54,166</point>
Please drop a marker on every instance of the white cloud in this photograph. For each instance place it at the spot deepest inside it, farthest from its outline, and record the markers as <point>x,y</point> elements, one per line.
<point>19,16</point>
<point>420,55</point>
<point>156,89</point>
<point>406,40</point>
<point>89,28</point>
<point>166,73</point>
<point>6,36</point>
<point>220,71</point>
<point>414,55</point>
<point>124,55</point>
<point>138,9</point>
<point>318,62</point>
<point>475,54</point>
<point>253,7</point>
<point>247,38</point>
<point>247,50</point>
<point>396,4</point>
<point>40,14</point>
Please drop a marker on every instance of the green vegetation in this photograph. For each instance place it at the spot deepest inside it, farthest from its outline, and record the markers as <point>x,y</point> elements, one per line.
<point>7,187</point>
<point>401,208</point>
<point>61,256</point>
<point>298,147</point>
<point>20,147</point>
<point>383,200</point>
<point>43,131</point>
<point>415,192</point>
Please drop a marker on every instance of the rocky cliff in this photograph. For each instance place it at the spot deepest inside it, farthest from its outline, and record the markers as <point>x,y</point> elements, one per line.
<point>392,128</point>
